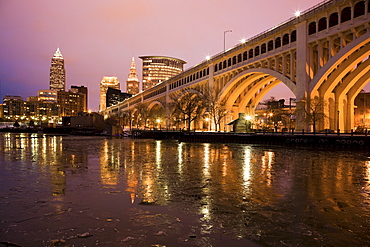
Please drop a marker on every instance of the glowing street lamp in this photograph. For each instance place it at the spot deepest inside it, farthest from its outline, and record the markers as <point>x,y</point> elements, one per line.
<point>208,125</point>
<point>159,123</point>
<point>297,13</point>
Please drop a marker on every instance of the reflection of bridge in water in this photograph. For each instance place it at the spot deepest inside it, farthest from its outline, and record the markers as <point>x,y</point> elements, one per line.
<point>321,56</point>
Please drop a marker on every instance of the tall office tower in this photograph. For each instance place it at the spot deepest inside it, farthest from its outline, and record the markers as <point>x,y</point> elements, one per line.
<point>132,83</point>
<point>105,83</point>
<point>81,90</point>
<point>158,68</point>
<point>57,72</point>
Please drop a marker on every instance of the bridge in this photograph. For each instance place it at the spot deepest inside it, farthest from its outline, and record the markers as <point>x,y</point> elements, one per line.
<point>322,55</point>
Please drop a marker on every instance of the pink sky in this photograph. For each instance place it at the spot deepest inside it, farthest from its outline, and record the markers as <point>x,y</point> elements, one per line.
<point>99,37</point>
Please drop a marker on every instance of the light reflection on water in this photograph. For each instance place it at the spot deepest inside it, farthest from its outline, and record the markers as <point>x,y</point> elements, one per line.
<point>252,192</point>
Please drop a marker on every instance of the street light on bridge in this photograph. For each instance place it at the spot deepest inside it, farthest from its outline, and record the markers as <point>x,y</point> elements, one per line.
<point>227,31</point>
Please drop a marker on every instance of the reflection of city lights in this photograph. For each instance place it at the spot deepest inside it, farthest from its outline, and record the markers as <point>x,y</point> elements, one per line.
<point>367,178</point>
<point>205,212</point>
<point>158,153</point>
<point>206,159</point>
<point>108,169</point>
<point>247,166</point>
<point>267,161</point>
<point>180,160</point>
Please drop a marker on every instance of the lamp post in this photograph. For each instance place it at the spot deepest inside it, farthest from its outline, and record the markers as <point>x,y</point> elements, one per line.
<point>338,122</point>
<point>227,31</point>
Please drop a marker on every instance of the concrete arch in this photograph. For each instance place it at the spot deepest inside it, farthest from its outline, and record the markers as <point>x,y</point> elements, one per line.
<point>153,103</point>
<point>340,80</point>
<point>240,89</point>
<point>189,90</point>
<point>262,87</point>
<point>350,81</point>
<point>324,72</point>
<point>256,73</point>
<point>345,100</point>
<point>343,69</point>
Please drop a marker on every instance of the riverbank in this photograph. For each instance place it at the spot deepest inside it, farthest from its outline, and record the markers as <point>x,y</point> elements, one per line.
<point>325,140</point>
<point>343,140</point>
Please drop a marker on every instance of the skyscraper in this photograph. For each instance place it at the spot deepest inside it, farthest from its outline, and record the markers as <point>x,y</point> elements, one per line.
<point>132,83</point>
<point>105,83</point>
<point>57,72</point>
<point>158,68</point>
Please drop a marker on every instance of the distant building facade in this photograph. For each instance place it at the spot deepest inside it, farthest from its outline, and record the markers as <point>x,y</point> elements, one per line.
<point>71,104</point>
<point>114,96</point>
<point>57,72</point>
<point>81,90</point>
<point>85,120</point>
<point>132,83</point>
<point>157,69</point>
<point>13,106</point>
<point>107,82</point>
<point>46,96</point>
<point>16,109</point>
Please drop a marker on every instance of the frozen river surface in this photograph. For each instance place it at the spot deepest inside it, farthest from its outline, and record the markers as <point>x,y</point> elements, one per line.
<point>97,191</point>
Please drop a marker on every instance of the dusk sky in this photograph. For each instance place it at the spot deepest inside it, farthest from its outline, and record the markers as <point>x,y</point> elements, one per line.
<point>99,37</point>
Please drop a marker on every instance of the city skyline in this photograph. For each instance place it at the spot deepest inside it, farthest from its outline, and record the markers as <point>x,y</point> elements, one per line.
<point>102,39</point>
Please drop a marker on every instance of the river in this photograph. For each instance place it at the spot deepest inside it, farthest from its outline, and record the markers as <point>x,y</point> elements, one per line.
<point>99,191</point>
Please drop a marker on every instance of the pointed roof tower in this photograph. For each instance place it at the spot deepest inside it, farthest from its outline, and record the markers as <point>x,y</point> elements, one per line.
<point>58,54</point>
<point>132,83</point>
<point>132,76</point>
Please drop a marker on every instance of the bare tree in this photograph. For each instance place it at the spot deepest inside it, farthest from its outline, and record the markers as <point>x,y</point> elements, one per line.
<point>271,99</point>
<point>143,114</point>
<point>215,107</point>
<point>188,105</point>
<point>314,111</point>
<point>127,118</point>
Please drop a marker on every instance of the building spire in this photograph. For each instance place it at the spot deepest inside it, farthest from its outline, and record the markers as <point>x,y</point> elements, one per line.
<point>133,76</point>
<point>133,63</point>
<point>58,54</point>
<point>132,83</point>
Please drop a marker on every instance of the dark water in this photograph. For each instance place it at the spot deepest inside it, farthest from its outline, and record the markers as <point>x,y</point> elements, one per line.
<point>96,191</point>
